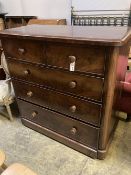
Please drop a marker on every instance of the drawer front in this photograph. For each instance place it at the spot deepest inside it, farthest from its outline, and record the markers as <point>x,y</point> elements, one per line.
<point>72,83</point>
<point>87,58</point>
<point>32,51</point>
<point>66,104</point>
<point>73,129</point>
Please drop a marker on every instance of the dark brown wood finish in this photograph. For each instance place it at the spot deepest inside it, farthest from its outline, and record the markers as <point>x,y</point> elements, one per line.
<point>87,58</point>
<point>69,82</point>
<point>60,138</point>
<point>25,50</point>
<point>94,35</point>
<point>17,21</point>
<point>76,107</point>
<point>68,127</point>
<point>116,67</point>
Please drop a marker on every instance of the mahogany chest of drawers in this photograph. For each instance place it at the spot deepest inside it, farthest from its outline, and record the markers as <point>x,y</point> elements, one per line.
<point>67,81</point>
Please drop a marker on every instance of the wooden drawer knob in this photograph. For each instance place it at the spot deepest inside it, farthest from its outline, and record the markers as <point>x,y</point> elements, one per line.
<point>29,94</point>
<point>72,84</point>
<point>26,72</point>
<point>73,108</point>
<point>72,59</point>
<point>73,131</point>
<point>21,51</point>
<point>34,114</point>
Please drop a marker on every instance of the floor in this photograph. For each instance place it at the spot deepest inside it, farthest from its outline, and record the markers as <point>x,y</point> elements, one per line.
<point>48,157</point>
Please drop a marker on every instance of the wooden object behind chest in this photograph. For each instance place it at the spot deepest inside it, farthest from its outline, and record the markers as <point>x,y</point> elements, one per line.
<point>66,80</point>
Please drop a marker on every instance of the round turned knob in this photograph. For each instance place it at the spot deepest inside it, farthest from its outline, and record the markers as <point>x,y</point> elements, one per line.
<point>73,108</point>
<point>29,94</point>
<point>73,130</point>
<point>72,59</point>
<point>21,51</point>
<point>72,84</point>
<point>26,72</point>
<point>34,114</point>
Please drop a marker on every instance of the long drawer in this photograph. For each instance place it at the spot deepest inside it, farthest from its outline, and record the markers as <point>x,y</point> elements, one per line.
<point>73,129</point>
<point>87,58</point>
<point>28,50</point>
<point>67,82</point>
<point>65,104</point>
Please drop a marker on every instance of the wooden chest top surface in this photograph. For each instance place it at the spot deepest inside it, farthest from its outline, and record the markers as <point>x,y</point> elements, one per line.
<point>103,35</point>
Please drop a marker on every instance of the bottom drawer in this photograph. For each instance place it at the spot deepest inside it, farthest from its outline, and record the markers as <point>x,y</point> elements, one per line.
<point>73,129</point>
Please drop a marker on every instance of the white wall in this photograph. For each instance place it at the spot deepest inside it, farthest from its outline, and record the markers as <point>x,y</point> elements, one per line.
<point>11,6</point>
<point>40,8</point>
<point>58,8</point>
<point>101,4</point>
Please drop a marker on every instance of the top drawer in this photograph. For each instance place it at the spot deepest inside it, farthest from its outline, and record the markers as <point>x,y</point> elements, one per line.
<point>32,51</point>
<point>87,58</point>
<point>73,57</point>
